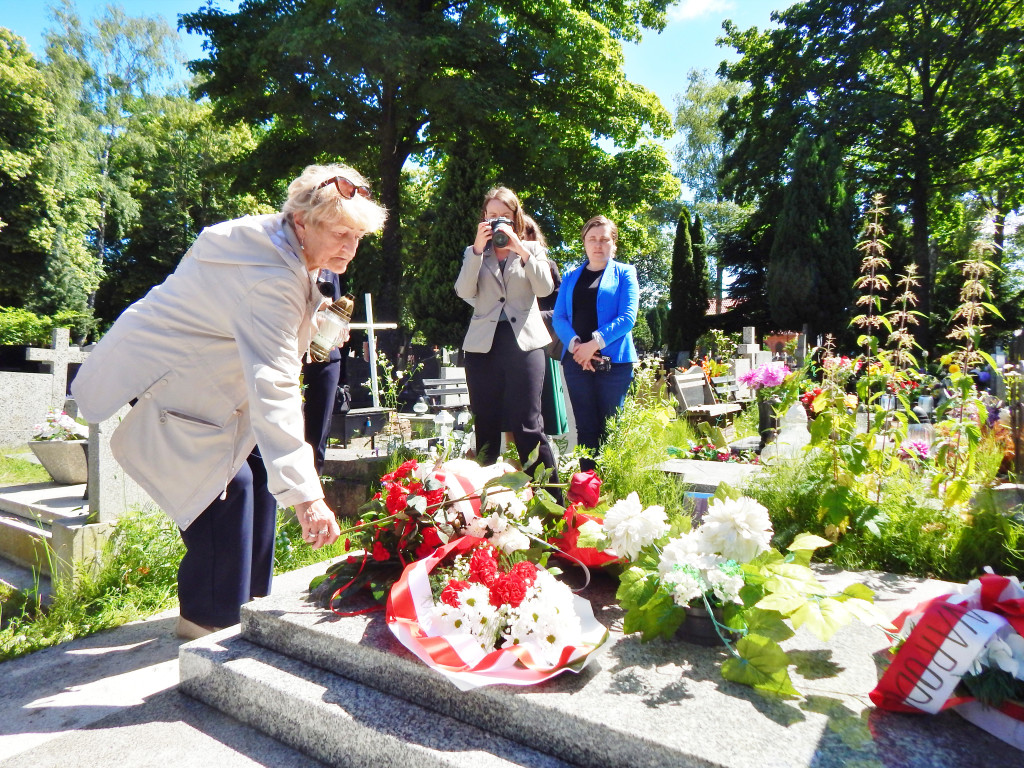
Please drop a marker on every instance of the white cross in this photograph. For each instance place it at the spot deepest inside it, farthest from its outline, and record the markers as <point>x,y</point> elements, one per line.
<point>58,359</point>
<point>369,326</point>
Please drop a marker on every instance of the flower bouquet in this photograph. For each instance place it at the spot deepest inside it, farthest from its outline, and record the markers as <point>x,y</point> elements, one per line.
<point>963,651</point>
<point>59,426</point>
<point>422,507</point>
<point>754,595</point>
<point>480,616</point>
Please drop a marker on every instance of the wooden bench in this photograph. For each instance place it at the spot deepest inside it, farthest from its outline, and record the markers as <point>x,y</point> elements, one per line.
<point>697,401</point>
<point>446,394</point>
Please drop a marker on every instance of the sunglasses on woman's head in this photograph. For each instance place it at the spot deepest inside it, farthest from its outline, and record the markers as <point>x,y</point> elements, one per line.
<point>346,188</point>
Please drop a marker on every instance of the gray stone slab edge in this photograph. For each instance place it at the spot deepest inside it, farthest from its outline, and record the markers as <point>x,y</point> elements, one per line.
<point>334,719</point>
<point>496,709</point>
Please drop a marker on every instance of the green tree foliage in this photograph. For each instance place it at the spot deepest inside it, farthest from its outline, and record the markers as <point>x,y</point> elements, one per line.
<point>642,336</point>
<point>182,164</point>
<point>378,84</point>
<point>687,292</point>
<point>700,257</point>
<point>105,75</point>
<point>26,119</point>
<point>653,317</point>
<point>812,260</point>
<point>912,91</point>
<point>452,215</point>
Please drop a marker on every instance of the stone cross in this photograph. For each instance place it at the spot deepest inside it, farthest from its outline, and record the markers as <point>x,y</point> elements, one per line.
<point>369,326</point>
<point>58,358</point>
<point>748,335</point>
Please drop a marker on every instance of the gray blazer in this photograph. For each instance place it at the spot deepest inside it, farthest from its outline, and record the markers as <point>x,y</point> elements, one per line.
<point>482,283</point>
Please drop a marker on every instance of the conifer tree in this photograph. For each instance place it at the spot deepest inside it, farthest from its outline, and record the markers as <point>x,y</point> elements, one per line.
<point>687,297</point>
<point>812,262</point>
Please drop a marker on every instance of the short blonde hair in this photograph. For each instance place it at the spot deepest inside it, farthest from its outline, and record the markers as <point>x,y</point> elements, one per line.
<point>324,206</point>
<point>599,221</point>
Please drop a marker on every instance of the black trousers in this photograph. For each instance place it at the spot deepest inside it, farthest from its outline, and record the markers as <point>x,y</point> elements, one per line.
<point>229,556</point>
<point>505,386</point>
<point>321,380</point>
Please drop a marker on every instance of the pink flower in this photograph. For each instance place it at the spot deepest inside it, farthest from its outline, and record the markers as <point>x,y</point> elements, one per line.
<point>765,375</point>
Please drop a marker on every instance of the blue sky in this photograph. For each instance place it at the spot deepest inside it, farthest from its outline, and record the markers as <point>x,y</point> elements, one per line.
<point>660,62</point>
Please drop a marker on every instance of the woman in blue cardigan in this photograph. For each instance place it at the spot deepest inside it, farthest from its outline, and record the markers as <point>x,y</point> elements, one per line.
<point>594,317</point>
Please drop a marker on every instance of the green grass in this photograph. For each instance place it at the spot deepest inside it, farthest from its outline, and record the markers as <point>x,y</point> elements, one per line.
<point>138,579</point>
<point>15,471</point>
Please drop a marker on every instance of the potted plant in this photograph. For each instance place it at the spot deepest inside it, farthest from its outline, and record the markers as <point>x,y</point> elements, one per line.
<point>61,445</point>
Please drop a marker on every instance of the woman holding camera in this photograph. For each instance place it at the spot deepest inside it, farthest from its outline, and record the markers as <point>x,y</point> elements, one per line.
<point>502,275</point>
<point>594,317</point>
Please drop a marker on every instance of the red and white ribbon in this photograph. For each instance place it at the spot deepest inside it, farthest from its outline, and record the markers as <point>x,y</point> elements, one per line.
<point>943,637</point>
<point>458,656</point>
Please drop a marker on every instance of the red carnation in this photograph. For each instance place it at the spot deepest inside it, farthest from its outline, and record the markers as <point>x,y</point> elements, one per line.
<point>450,594</point>
<point>585,489</point>
<point>526,571</point>
<point>435,497</point>
<point>380,552</point>
<point>508,589</point>
<point>483,568</point>
<point>406,469</point>
<point>396,501</point>
<point>431,541</point>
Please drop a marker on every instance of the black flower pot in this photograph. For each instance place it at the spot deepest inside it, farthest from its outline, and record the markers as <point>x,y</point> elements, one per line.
<point>767,421</point>
<point>699,627</point>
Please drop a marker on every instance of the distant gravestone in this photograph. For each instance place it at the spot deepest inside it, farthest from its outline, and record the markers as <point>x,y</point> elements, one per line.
<point>110,491</point>
<point>793,435</point>
<point>58,358</point>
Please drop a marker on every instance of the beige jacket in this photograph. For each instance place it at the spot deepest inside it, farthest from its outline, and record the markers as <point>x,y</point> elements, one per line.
<point>482,283</point>
<point>213,356</point>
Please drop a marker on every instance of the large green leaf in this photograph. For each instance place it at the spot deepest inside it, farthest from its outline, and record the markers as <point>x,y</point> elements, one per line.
<point>782,602</point>
<point>822,617</point>
<point>792,577</point>
<point>762,664</point>
<point>808,541</point>
<point>767,623</point>
<point>658,617</point>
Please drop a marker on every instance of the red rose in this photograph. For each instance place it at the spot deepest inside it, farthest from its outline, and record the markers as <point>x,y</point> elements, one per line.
<point>508,589</point>
<point>483,568</point>
<point>380,552</point>
<point>450,594</point>
<point>431,541</point>
<point>526,571</point>
<point>585,489</point>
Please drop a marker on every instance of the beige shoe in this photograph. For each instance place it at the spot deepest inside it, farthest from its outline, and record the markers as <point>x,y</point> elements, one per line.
<point>191,631</point>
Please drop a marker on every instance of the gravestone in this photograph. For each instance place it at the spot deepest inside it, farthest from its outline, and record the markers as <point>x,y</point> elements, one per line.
<point>749,345</point>
<point>344,691</point>
<point>57,359</point>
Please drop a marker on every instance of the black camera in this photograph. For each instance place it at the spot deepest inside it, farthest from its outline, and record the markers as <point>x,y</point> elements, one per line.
<point>500,239</point>
<point>602,363</point>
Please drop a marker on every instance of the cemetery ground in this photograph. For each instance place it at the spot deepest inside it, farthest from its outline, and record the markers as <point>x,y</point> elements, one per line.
<point>342,692</point>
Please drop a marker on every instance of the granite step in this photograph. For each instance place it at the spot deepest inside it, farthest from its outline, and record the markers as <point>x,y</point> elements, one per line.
<point>332,719</point>
<point>638,705</point>
<point>28,514</point>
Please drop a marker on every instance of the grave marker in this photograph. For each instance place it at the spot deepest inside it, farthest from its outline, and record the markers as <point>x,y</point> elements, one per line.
<point>58,358</point>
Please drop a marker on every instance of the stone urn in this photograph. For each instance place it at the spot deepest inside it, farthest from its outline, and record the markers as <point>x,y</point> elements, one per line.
<point>65,460</point>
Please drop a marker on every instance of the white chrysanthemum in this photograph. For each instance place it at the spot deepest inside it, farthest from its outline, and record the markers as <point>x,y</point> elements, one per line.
<point>510,540</point>
<point>685,550</point>
<point>505,500</point>
<point>725,586</point>
<point>685,584</point>
<point>629,527</point>
<point>534,526</point>
<point>737,529</point>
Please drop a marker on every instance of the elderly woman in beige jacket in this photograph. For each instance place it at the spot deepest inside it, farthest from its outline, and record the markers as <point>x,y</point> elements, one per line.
<point>210,360</point>
<point>506,338</point>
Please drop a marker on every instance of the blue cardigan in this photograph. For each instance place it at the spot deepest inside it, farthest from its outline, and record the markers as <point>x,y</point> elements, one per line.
<point>618,296</point>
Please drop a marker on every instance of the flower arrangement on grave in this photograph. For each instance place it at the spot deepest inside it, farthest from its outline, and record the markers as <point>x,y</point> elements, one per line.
<point>59,426</point>
<point>755,595</point>
<point>421,507</point>
<point>962,651</point>
<point>707,451</point>
<point>482,615</point>
<point>767,379</point>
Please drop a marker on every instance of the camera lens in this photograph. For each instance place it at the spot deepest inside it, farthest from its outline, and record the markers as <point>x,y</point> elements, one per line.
<point>500,239</point>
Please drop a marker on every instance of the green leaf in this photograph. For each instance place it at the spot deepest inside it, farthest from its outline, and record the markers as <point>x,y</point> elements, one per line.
<point>766,623</point>
<point>658,617</point>
<point>726,492</point>
<point>822,617</point>
<point>957,492</point>
<point>859,591</point>
<point>783,603</point>
<point>591,535</point>
<point>317,581</point>
<point>761,664</point>
<point>808,541</point>
<point>515,481</point>
<point>791,577</point>
<point>635,588</point>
